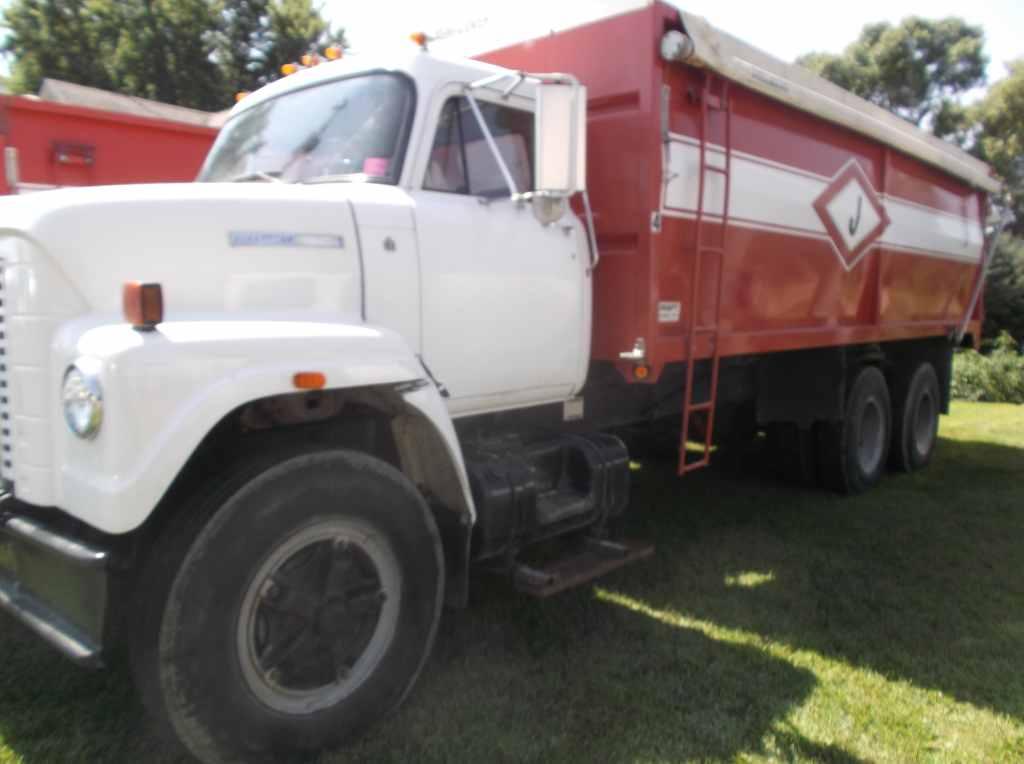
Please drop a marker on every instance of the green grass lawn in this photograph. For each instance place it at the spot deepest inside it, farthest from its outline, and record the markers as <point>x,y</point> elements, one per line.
<point>774,623</point>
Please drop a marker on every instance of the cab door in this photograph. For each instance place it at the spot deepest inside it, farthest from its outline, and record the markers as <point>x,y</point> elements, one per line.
<point>505,299</point>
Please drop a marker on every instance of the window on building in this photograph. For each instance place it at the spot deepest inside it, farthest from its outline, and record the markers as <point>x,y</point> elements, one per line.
<point>461,162</point>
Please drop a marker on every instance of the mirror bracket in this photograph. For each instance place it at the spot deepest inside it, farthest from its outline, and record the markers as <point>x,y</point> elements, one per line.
<point>560,198</point>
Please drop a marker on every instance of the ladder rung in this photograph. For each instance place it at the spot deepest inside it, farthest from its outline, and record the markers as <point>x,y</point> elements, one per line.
<point>705,406</point>
<point>705,329</point>
<point>713,168</point>
<point>713,101</point>
<point>713,250</point>
<point>700,463</point>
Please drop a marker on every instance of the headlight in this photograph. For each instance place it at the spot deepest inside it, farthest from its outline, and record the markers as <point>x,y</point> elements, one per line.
<point>83,399</point>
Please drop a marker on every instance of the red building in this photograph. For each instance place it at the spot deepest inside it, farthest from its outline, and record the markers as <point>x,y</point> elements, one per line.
<point>72,135</point>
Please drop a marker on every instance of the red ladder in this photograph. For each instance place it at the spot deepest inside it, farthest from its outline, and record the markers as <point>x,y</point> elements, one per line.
<point>709,102</point>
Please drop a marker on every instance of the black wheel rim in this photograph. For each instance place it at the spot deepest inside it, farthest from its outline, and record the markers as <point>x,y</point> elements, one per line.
<point>318,616</point>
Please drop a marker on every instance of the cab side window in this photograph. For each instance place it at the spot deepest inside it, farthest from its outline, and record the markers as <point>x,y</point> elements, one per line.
<point>461,162</point>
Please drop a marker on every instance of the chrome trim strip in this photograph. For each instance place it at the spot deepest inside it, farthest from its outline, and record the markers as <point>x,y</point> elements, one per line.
<point>73,550</point>
<point>51,627</point>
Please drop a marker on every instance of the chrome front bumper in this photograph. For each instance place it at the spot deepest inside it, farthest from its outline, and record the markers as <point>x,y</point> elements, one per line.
<point>53,583</point>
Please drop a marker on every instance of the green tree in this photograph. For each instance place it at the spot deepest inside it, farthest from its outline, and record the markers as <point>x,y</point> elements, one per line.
<point>55,38</point>
<point>1000,123</point>
<point>1004,290</point>
<point>160,49</point>
<point>152,48</point>
<point>240,41</point>
<point>915,69</point>
<point>296,27</point>
<point>190,52</point>
<point>257,36</point>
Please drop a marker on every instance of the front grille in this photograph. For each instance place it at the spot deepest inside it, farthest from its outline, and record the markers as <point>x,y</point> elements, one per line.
<point>6,426</point>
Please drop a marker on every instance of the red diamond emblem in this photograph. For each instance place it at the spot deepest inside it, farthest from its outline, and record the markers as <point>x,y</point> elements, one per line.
<point>852,213</point>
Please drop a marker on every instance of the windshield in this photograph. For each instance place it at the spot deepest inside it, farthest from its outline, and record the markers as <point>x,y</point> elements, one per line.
<point>348,129</point>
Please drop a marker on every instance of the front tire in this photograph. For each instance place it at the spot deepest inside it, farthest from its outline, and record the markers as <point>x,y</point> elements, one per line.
<point>293,610</point>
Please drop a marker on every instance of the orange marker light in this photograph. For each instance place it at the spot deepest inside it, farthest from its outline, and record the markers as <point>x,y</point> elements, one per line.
<point>241,95</point>
<point>310,60</point>
<point>641,372</point>
<point>309,380</point>
<point>333,53</point>
<point>287,69</point>
<point>143,305</point>
<point>420,38</point>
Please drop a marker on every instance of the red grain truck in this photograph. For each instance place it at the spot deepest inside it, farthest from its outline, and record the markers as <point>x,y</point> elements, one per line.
<point>259,428</point>
<point>750,214</point>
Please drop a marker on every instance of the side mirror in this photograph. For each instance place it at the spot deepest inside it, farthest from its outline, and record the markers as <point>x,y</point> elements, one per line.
<point>560,139</point>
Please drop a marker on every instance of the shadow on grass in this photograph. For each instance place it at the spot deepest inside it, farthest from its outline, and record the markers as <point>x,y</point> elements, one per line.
<point>512,679</point>
<point>580,679</point>
<point>921,579</point>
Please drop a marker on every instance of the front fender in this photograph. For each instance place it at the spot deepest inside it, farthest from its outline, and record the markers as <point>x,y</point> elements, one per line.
<point>164,390</point>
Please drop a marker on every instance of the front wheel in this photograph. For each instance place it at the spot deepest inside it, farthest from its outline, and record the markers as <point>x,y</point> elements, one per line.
<point>301,611</point>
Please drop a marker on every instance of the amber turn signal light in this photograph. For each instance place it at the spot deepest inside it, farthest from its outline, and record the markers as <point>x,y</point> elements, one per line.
<point>143,305</point>
<point>420,38</point>
<point>641,371</point>
<point>309,380</point>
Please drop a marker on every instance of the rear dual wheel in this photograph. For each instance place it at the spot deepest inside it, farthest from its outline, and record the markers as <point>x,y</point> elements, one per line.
<point>916,420</point>
<point>853,451</point>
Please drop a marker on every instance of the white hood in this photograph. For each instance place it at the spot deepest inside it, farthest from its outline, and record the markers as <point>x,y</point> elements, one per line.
<point>213,247</point>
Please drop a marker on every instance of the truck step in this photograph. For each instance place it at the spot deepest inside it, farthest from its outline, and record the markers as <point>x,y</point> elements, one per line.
<point>594,559</point>
<point>555,506</point>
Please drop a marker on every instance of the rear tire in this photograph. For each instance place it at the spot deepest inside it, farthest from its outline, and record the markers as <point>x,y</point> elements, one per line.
<point>916,420</point>
<point>853,452</point>
<point>289,610</point>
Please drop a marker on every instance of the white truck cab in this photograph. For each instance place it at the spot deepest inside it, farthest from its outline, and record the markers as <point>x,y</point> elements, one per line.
<point>348,204</point>
<point>445,252</point>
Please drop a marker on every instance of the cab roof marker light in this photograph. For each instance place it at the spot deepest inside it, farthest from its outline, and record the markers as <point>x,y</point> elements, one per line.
<point>420,38</point>
<point>333,52</point>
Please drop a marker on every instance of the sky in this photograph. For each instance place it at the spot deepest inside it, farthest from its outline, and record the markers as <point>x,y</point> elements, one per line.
<point>784,28</point>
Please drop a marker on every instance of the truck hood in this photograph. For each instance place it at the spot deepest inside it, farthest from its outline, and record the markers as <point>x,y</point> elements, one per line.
<point>212,246</point>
